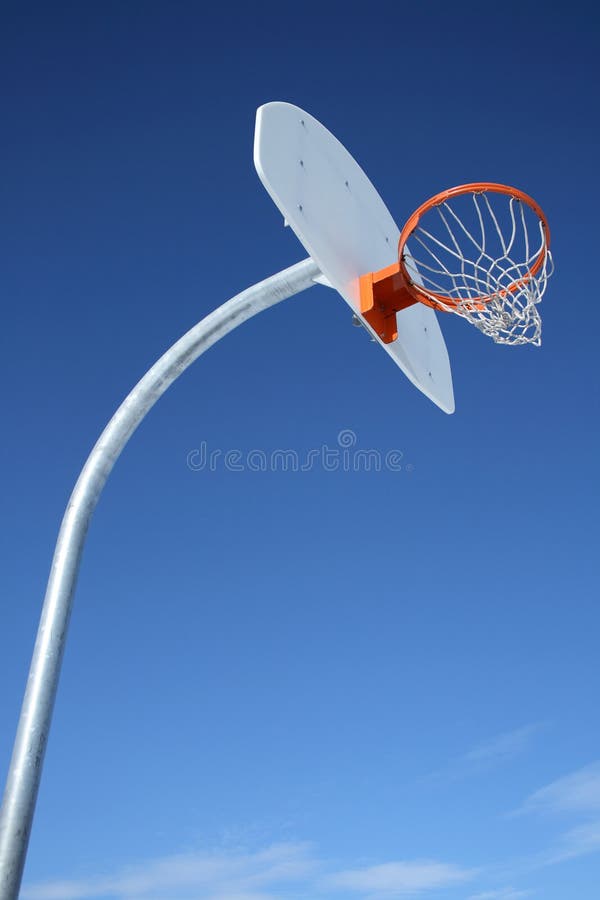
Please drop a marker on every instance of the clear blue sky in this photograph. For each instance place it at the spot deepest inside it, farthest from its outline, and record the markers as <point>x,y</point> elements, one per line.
<point>298,685</point>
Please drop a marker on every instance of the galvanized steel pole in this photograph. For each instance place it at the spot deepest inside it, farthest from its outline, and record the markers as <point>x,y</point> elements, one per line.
<point>25,770</point>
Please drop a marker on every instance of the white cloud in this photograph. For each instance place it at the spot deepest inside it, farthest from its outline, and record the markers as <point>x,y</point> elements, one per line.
<point>216,876</point>
<point>503,746</point>
<point>577,792</point>
<point>281,870</point>
<point>578,841</point>
<point>397,879</point>
<point>508,893</point>
<point>493,752</point>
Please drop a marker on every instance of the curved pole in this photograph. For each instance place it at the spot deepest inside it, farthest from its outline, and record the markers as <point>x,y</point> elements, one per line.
<point>25,769</point>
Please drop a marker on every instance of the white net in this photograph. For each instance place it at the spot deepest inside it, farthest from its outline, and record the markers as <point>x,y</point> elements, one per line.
<point>475,254</point>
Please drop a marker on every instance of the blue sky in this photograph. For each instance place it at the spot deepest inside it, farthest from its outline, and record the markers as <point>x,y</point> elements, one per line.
<point>344,685</point>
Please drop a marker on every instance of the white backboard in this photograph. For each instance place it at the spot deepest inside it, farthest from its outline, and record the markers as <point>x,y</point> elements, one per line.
<point>336,213</point>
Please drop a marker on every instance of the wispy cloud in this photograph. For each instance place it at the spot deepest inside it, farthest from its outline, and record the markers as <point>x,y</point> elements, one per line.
<point>282,870</point>
<point>396,879</point>
<point>486,755</point>
<point>504,746</point>
<point>213,876</point>
<point>576,795</point>
<point>294,869</point>
<point>508,893</point>
<point>580,841</point>
<point>577,792</point>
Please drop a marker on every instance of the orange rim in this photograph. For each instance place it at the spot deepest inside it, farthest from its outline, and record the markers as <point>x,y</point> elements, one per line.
<point>477,187</point>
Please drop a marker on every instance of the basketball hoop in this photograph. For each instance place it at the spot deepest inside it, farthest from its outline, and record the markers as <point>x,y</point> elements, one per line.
<point>479,250</point>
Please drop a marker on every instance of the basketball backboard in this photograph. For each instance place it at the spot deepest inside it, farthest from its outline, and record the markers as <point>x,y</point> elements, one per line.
<point>336,213</point>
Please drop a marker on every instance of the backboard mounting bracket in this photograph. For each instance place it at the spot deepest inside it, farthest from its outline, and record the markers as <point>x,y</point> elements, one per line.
<point>382,295</point>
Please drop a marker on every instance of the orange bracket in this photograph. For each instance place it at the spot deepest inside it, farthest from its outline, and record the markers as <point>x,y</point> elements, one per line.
<point>382,295</point>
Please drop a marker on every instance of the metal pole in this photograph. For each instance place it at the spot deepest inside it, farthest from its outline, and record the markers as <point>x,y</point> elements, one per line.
<point>25,770</point>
